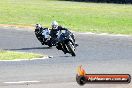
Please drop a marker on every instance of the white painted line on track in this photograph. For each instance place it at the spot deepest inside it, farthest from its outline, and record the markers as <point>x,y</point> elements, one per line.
<point>43,58</point>
<point>21,82</point>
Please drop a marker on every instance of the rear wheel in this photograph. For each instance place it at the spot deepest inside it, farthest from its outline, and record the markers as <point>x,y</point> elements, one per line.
<point>50,46</point>
<point>71,48</point>
<point>49,43</point>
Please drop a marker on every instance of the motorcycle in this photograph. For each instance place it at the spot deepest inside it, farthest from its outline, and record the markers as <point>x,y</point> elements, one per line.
<point>44,36</point>
<point>66,43</point>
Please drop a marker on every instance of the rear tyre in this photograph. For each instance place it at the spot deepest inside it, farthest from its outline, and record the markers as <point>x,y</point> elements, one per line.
<point>49,43</point>
<point>50,46</point>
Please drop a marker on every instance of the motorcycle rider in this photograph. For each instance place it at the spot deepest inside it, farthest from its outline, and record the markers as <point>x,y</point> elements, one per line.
<point>38,33</point>
<point>54,33</point>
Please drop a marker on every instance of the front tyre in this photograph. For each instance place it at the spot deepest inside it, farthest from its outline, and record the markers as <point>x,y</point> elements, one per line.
<point>71,48</point>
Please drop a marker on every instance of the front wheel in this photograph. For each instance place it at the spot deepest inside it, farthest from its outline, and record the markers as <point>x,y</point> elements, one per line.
<point>71,48</point>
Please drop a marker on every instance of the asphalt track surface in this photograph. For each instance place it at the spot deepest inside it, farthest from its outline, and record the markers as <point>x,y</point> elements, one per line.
<point>97,54</point>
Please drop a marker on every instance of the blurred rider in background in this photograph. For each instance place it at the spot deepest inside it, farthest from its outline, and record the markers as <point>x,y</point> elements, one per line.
<point>38,32</point>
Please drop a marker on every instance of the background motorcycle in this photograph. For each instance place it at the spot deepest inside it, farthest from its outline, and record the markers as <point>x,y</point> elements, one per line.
<point>44,36</point>
<point>66,43</point>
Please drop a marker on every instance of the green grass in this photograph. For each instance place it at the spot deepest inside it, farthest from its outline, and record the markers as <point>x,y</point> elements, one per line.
<point>78,16</point>
<point>10,55</point>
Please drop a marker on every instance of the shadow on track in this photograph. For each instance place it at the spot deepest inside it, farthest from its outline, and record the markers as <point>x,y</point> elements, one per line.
<point>66,56</point>
<point>32,48</point>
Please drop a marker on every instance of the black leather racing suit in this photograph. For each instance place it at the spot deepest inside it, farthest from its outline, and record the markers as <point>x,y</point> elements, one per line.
<point>40,37</point>
<point>38,33</point>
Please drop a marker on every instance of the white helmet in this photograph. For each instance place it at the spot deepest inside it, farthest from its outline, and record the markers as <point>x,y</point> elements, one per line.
<point>54,25</point>
<point>38,26</point>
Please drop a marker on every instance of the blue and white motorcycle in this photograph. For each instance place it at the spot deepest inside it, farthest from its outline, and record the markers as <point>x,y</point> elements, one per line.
<point>43,35</point>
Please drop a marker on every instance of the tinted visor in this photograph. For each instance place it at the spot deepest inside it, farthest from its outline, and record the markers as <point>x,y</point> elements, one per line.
<point>54,26</point>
